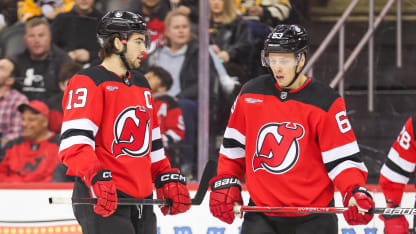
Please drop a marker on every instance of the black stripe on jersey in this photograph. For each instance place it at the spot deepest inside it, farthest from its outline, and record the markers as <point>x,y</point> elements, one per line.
<point>157,145</point>
<point>315,93</point>
<point>394,167</point>
<point>77,132</point>
<point>331,165</point>
<point>231,143</point>
<point>100,75</point>
<point>169,99</point>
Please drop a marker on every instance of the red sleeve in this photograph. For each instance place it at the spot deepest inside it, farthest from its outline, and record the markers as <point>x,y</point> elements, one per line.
<point>160,162</point>
<point>82,117</point>
<point>399,166</point>
<point>339,147</point>
<point>232,151</point>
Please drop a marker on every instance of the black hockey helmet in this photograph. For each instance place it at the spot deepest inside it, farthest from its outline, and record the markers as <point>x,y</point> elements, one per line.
<point>122,23</point>
<point>285,39</point>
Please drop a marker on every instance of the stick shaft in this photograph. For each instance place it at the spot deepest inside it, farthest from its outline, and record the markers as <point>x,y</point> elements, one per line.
<point>323,210</point>
<point>120,201</point>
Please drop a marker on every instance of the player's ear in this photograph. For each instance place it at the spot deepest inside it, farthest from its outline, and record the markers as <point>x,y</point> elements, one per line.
<point>118,45</point>
<point>301,62</point>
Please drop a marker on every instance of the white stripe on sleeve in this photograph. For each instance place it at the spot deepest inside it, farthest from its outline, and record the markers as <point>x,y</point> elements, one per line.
<point>393,176</point>
<point>340,152</point>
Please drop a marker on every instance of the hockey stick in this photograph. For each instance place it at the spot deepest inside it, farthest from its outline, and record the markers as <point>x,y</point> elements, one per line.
<point>208,173</point>
<point>320,210</point>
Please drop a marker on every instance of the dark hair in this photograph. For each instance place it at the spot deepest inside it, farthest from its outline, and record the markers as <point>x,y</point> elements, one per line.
<point>108,47</point>
<point>163,75</point>
<point>68,70</point>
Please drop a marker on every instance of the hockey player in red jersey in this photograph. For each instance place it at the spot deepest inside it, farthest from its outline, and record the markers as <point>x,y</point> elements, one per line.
<point>111,139</point>
<point>289,136</point>
<point>396,173</point>
<point>169,114</point>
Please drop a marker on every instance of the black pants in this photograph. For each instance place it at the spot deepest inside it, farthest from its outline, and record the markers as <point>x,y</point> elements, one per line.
<point>259,223</point>
<point>126,219</point>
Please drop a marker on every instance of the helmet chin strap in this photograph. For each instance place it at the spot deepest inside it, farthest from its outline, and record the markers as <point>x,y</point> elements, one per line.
<point>123,57</point>
<point>296,73</point>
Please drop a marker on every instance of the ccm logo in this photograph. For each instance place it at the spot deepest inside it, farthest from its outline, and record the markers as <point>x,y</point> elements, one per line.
<point>107,174</point>
<point>175,177</point>
<point>226,181</point>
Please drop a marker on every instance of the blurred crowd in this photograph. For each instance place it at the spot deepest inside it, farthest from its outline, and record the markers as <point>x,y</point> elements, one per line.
<point>43,43</point>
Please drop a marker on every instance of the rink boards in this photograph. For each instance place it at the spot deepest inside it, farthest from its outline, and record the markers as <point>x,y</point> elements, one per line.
<point>25,209</point>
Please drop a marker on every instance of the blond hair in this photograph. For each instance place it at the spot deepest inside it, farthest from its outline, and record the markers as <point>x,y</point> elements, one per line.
<point>230,11</point>
<point>180,11</point>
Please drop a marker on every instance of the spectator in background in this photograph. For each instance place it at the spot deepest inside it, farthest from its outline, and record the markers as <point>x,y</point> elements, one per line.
<point>34,156</point>
<point>10,99</point>
<point>40,62</point>
<point>230,37</point>
<point>54,103</point>
<point>74,31</point>
<point>268,12</point>
<point>48,9</point>
<point>169,114</point>
<point>8,13</point>
<point>154,13</point>
<point>179,56</point>
<point>261,16</point>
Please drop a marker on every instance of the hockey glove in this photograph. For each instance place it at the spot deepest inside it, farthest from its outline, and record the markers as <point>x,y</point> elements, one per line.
<point>225,191</point>
<point>395,224</point>
<point>359,202</point>
<point>101,186</point>
<point>172,185</point>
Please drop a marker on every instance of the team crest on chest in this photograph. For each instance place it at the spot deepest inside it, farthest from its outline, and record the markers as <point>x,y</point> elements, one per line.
<point>132,132</point>
<point>277,147</point>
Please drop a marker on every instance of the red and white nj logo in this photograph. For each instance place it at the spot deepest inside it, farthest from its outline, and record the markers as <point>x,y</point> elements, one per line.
<point>277,147</point>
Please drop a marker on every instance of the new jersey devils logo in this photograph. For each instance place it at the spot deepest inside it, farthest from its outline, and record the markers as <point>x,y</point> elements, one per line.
<point>277,147</point>
<point>132,132</point>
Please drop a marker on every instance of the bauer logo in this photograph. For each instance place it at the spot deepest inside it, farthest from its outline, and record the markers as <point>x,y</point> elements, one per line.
<point>226,183</point>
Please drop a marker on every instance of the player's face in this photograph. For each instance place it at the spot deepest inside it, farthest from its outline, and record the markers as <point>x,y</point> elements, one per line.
<point>6,68</point>
<point>179,31</point>
<point>84,5</point>
<point>33,124</point>
<point>283,66</point>
<point>38,41</point>
<point>217,6</point>
<point>135,49</point>
<point>153,80</point>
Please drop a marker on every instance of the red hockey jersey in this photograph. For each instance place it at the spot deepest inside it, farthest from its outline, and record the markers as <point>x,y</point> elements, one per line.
<point>293,147</point>
<point>400,163</point>
<point>25,161</point>
<point>110,121</point>
<point>170,119</point>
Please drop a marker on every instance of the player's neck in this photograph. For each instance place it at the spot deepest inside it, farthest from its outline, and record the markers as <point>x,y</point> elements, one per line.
<point>114,64</point>
<point>298,83</point>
